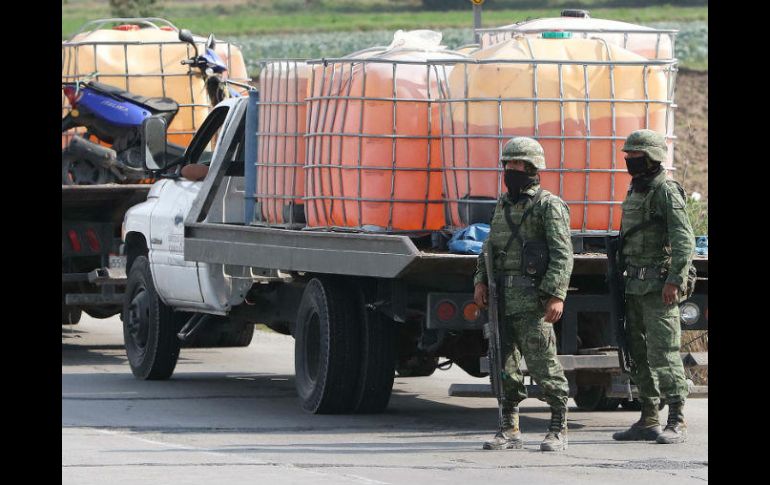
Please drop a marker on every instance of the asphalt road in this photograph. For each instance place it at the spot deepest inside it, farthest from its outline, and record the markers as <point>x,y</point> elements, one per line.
<point>230,416</point>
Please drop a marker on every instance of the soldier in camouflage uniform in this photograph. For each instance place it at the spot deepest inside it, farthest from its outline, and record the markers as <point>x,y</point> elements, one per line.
<point>532,298</point>
<point>656,260</point>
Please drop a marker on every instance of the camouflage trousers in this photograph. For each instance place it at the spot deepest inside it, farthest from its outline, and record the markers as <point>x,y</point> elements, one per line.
<point>528,335</point>
<point>654,336</point>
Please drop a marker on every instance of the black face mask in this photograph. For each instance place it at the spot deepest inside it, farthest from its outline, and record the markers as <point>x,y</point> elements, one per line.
<point>516,181</point>
<point>641,183</point>
<point>637,165</point>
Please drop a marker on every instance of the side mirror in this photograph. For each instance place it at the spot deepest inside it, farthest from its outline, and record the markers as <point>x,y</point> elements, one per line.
<point>186,36</point>
<point>211,43</point>
<point>154,143</point>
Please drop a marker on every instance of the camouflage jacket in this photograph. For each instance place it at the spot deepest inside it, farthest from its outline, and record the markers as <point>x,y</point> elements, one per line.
<point>549,222</point>
<point>669,244</point>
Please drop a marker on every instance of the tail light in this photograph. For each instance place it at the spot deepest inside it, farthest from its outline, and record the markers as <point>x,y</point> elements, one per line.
<point>74,240</point>
<point>126,27</point>
<point>471,312</point>
<point>93,240</point>
<point>168,28</point>
<point>446,310</point>
<point>73,94</point>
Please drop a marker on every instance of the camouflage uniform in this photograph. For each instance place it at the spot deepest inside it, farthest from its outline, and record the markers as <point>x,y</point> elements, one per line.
<point>525,331</point>
<point>664,251</point>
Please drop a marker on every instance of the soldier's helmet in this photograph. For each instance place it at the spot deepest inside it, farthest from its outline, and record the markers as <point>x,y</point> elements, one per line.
<point>524,149</point>
<point>652,143</point>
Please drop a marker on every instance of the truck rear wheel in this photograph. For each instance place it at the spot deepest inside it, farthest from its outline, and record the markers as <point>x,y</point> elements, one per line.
<point>378,360</point>
<point>594,398</point>
<point>327,350</point>
<point>149,326</point>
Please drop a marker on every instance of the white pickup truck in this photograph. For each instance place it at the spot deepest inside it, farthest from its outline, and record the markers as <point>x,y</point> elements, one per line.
<point>159,277</point>
<point>361,306</point>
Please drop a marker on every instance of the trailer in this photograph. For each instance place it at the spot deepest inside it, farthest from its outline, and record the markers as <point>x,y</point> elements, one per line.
<point>93,270</point>
<point>361,306</point>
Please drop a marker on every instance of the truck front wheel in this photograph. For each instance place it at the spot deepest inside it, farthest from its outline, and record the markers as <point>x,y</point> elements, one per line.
<point>149,326</point>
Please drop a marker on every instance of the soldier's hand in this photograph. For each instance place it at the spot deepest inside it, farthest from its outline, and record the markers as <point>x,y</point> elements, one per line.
<point>481,295</point>
<point>670,294</point>
<point>554,309</point>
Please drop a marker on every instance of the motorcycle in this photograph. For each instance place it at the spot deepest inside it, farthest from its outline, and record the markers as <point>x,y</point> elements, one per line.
<point>115,116</point>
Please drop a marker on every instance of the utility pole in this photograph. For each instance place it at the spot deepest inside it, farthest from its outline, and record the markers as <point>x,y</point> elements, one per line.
<point>476,19</point>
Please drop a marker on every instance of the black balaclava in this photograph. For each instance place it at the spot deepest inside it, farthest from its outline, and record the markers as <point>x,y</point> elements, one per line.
<point>517,181</point>
<point>643,170</point>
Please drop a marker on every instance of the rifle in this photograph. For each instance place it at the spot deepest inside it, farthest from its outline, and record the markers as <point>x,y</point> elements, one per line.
<point>617,292</point>
<point>492,333</point>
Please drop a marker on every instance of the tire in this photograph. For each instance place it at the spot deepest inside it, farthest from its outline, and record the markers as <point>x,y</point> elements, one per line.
<point>70,315</point>
<point>149,326</point>
<point>82,172</point>
<point>378,360</point>
<point>327,353</point>
<point>593,398</point>
<point>102,312</point>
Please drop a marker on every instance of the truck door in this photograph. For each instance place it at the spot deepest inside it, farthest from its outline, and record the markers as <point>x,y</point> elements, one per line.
<point>177,280</point>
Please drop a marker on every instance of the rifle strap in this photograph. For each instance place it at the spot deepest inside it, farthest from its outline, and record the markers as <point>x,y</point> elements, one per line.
<point>514,228</point>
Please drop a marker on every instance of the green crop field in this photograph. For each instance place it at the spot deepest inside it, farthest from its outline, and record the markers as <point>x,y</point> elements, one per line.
<point>258,17</point>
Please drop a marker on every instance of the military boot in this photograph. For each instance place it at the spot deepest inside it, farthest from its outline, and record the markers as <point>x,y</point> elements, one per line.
<point>646,429</point>
<point>556,439</point>
<point>509,435</point>
<point>676,429</point>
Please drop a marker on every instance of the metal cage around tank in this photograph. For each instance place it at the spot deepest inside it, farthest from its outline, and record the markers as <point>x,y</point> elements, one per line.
<point>462,167</point>
<point>197,105</point>
<point>619,37</point>
<point>280,156</point>
<point>372,155</point>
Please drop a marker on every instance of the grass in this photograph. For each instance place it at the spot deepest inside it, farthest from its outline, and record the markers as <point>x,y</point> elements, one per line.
<point>238,18</point>
<point>697,211</point>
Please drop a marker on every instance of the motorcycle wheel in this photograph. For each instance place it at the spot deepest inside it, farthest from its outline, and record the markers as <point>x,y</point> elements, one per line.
<point>82,172</point>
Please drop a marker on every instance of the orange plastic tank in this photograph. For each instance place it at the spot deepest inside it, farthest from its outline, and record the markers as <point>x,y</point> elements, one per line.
<point>280,184</point>
<point>539,88</point>
<point>645,41</point>
<point>373,161</point>
<point>147,61</point>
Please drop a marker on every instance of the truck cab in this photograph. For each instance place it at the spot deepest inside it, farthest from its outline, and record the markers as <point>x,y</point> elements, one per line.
<point>156,226</point>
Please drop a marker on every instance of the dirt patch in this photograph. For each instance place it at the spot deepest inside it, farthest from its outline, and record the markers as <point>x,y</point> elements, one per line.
<point>691,154</point>
<point>691,125</point>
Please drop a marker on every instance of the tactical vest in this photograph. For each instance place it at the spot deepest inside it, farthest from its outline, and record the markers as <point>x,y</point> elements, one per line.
<point>509,262</point>
<point>648,246</point>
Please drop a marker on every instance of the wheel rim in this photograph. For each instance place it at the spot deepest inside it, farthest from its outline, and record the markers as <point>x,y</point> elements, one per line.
<point>313,347</point>
<point>138,319</point>
<point>83,172</point>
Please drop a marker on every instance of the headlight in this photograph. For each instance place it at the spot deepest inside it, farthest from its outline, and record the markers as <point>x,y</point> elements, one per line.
<point>690,313</point>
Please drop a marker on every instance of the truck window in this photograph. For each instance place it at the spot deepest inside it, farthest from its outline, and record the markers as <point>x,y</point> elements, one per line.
<point>202,146</point>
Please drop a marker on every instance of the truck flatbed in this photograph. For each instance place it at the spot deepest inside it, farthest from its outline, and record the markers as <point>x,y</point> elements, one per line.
<point>354,254</point>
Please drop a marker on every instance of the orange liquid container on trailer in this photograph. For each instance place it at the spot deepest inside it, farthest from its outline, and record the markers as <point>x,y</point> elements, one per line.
<point>147,62</point>
<point>372,163</point>
<point>283,86</point>
<point>645,41</point>
<point>582,141</point>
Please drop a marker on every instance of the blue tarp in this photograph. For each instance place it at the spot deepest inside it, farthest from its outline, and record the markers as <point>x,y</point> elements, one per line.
<point>469,240</point>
